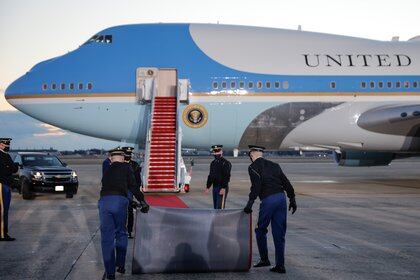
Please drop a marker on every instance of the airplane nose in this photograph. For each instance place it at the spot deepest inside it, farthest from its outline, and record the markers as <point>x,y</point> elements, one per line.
<point>10,90</point>
<point>15,90</point>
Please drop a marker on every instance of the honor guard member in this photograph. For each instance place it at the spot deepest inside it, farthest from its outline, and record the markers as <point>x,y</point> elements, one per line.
<point>7,168</point>
<point>128,155</point>
<point>106,163</point>
<point>219,177</point>
<point>269,183</point>
<point>116,182</point>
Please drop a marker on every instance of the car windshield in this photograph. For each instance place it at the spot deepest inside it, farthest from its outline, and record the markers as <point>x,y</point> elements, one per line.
<point>41,160</point>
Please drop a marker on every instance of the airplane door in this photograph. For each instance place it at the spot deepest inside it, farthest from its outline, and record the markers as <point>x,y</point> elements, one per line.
<point>167,83</point>
<point>145,84</point>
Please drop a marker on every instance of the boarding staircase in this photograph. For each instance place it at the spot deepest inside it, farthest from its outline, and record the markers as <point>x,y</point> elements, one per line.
<point>162,93</point>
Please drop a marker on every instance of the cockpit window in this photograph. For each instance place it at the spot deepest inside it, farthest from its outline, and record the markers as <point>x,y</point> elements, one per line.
<point>104,39</point>
<point>99,39</point>
<point>108,39</point>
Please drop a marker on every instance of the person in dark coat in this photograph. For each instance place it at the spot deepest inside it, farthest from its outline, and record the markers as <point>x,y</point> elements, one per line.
<point>219,177</point>
<point>113,204</point>
<point>269,183</point>
<point>7,168</point>
<point>128,158</point>
<point>106,164</point>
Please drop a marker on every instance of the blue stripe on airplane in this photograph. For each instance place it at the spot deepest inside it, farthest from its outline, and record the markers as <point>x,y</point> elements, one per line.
<point>111,67</point>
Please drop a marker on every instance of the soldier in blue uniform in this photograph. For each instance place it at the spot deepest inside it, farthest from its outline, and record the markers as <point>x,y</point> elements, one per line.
<point>128,155</point>
<point>106,163</point>
<point>116,182</point>
<point>219,177</point>
<point>269,183</point>
<point>7,168</point>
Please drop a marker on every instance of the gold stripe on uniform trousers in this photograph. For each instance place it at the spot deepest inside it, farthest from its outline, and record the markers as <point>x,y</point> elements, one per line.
<point>1,212</point>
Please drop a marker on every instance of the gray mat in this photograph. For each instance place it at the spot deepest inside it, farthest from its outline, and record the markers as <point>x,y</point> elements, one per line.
<point>171,240</point>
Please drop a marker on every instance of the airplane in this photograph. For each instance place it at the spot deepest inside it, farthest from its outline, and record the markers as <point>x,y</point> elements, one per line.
<point>237,85</point>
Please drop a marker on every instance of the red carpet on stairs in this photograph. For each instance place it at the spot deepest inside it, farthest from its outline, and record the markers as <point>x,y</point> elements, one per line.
<point>171,201</point>
<point>163,145</point>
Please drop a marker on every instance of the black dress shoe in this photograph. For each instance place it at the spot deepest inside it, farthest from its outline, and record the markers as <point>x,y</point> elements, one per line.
<point>7,238</point>
<point>121,269</point>
<point>278,269</point>
<point>262,263</point>
<point>108,276</point>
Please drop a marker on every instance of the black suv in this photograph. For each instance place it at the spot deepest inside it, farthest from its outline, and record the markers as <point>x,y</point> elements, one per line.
<point>44,173</point>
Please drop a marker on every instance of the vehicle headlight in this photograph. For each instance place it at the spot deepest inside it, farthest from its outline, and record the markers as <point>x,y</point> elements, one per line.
<point>74,175</point>
<point>36,175</point>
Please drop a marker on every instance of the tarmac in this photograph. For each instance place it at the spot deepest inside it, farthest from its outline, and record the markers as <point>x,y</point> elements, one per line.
<point>351,223</point>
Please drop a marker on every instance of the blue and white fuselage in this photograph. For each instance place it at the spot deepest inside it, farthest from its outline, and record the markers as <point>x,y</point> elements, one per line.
<point>279,88</point>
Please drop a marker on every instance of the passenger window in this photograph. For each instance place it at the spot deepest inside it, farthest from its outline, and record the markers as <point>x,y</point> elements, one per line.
<point>259,84</point>
<point>80,86</point>
<point>277,84</point>
<point>333,85</point>
<point>267,84</point>
<point>224,85</point>
<point>232,85</point>
<point>250,85</point>
<point>108,39</point>
<point>71,86</point>
<point>44,87</point>
<point>363,84</point>
<point>406,84</point>
<point>389,84</point>
<point>372,84</point>
<point>215,85</point>
<point>381,84</point>
<point>398,84</point>
<point>241,85</point>
<point>286,85</point>
<point>53,86</point>
<point>89,86</point>
<point>415,84</point>
<point>63,86</point>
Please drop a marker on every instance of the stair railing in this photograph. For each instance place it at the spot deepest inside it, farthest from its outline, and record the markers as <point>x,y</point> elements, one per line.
<point>182,97</point>
<point>177,139</point>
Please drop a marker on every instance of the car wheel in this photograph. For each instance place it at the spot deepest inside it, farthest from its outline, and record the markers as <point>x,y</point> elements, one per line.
<point>26,190</point>
<point>69,195</point>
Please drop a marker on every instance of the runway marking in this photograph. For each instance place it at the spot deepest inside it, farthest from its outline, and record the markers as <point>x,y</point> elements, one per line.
<point>83,251</point>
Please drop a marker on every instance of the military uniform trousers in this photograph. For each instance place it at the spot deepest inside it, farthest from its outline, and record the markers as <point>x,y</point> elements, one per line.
<point>273,209</point>
<point>217,198</point>
<point>114,239</point>
<point>5,198</point>
<point>130,214</point>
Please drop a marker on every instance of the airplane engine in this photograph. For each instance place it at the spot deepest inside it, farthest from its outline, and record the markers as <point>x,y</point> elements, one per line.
<point>358,158</point>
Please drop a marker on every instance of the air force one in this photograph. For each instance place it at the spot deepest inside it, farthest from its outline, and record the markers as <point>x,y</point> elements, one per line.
<point>153,84</point>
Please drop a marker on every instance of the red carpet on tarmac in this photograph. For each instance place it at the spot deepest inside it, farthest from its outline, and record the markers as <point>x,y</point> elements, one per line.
<point>171,201</point>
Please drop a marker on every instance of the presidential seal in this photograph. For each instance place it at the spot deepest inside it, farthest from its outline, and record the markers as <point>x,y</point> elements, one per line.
<point>195,116</point>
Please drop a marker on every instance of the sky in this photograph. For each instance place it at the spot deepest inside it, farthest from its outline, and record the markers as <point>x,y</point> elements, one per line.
<point>28,133</point>
<point>33,31</point>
